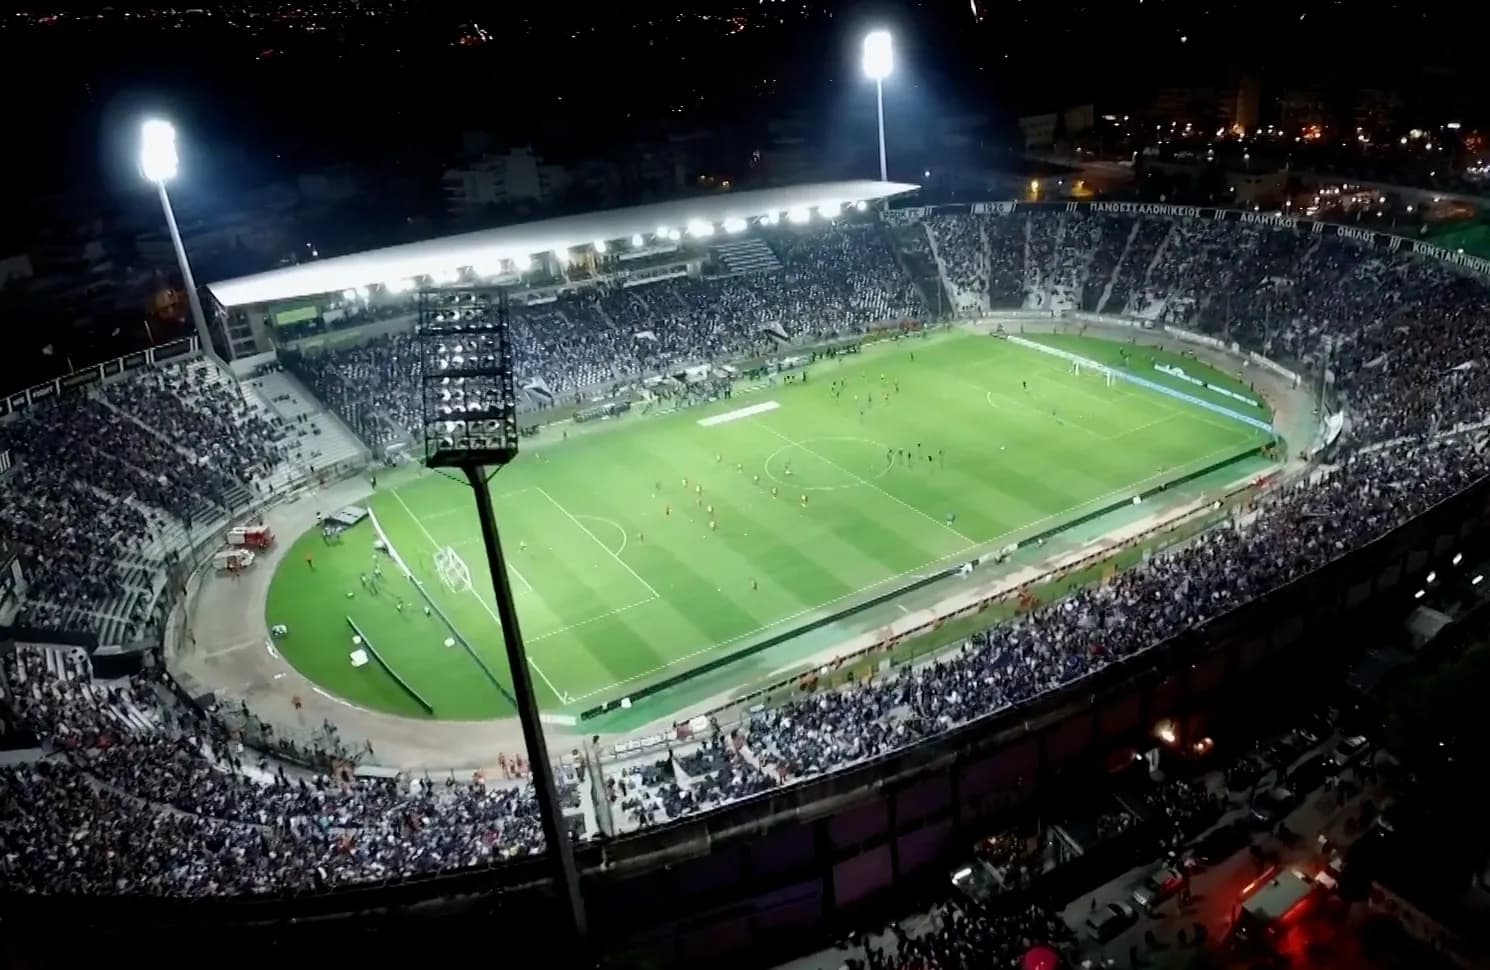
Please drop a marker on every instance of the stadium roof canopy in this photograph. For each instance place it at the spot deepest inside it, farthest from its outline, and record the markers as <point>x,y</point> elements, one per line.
<point>486,247</point>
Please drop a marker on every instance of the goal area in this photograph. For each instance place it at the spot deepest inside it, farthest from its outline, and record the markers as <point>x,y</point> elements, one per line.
<point>452,570</point>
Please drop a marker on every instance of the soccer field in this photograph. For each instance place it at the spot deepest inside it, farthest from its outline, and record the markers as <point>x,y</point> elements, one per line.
<point>645,545</point>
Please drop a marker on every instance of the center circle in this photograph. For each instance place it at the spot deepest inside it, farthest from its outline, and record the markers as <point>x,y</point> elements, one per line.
<point>828,464</point>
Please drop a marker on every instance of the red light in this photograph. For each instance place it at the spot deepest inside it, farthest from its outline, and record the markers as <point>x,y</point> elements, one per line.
<point>1262,880</point>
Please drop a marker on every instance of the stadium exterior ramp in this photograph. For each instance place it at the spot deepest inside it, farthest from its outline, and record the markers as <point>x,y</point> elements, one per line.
<point>478,249</point>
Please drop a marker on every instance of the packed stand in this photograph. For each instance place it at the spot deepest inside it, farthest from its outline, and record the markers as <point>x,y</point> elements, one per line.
<point>99,477</point>
<point>206,416</point>
<point>836,280</point>
<point>142,797</point>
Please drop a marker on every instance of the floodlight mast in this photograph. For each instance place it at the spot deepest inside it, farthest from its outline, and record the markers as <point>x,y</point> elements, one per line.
<point>470,423</point>
<point>159,163</point>
<point>879,61</point>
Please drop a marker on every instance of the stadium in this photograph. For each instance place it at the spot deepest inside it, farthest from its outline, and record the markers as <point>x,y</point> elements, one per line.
<point>840,526</point>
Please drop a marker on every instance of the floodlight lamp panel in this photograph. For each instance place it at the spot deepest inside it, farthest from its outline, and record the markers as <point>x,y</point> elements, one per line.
<point>159,162</point>
<point>879,55</point>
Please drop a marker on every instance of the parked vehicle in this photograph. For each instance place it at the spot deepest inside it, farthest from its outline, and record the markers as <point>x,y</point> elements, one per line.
<point>1159,884</point>
<point>1107,922</point>
<point>1273,805</point>
<point>1219,844</point>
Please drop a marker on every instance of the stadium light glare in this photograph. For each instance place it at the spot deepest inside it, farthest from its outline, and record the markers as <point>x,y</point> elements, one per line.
<point>879,61</point>
<point>561,255</point>
<point>830,210</point>
<point>159,161</point>
<point>771,218</point>
<point>361,293</point>
<point>699,229</point>
<point>799,216</point>
<point>861,205</point>
<point>349,295</point>
<point>734,224</point>
<point>522,263</point>
<point>879,55</point>
<point>637,241</point>
<point>600,246</point>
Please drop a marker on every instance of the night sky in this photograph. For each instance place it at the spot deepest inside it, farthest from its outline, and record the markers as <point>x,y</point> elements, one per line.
<point>276,93</point>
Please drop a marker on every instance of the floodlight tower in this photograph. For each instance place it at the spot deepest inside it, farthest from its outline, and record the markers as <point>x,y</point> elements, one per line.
<point>159,164</point>
<point>879,61</point>
<point>470,423</point>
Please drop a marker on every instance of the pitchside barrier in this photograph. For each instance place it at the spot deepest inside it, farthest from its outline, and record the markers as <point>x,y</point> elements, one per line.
<point>1178,395</point>
<point>372,651</point>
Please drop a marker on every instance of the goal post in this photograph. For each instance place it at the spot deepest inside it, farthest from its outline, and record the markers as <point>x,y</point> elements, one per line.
<point>1109,378</point>
<point>452,570</point>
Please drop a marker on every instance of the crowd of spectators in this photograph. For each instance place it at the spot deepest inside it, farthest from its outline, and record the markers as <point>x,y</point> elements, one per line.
<point>1408,342</point>
<point>959,938</point>
<point>99,476</point>
<point>831,281</point>
<point>141,797</point>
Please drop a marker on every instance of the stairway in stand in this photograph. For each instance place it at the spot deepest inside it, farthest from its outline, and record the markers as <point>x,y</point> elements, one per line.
<point>750,255</point>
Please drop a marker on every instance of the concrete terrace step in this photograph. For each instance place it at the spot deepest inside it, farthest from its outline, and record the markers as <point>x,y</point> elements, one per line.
<point>750,255</point>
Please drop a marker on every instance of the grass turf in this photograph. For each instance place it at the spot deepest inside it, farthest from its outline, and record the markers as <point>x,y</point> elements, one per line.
<point>620,577</point>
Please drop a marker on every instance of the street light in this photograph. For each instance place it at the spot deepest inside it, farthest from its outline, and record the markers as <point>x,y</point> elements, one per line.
<point>879,61</point>
<point>159,164</point>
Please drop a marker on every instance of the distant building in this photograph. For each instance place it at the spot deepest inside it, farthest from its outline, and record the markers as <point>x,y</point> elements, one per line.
<point>1247,106</point>
<point>1045,131</point>
<point>1302,109</point>
<point>1199,106</point>
<point>519,176</point>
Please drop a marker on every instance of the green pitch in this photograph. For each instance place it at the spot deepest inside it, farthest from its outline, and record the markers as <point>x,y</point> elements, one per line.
<point>641,546</point>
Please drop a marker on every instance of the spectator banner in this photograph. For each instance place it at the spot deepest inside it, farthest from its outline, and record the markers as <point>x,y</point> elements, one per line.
<point>1147,209</point>
<point>1473,263</point>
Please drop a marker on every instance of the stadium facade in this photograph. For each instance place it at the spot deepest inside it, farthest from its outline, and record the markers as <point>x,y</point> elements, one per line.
<point>764,876</point>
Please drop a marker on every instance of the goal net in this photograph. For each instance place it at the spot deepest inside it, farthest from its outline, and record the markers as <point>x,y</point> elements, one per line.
<point>1105,373</point>
<point>452,570</point>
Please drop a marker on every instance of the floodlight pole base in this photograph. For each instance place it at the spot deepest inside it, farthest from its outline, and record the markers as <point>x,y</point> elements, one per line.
<point>555,833</point>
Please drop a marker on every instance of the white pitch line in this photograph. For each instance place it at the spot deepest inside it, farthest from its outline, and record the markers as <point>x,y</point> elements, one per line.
<point>995,542</point>
<point>864,481</point>
<point>563,697</point>
<point>434,542</point>
<point>594,619</point>
<point>608,552</point>
<point>613,524</point>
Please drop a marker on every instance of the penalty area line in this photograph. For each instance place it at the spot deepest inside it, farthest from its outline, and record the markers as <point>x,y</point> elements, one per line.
<point>608,551</point>
<point>562,697</point>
